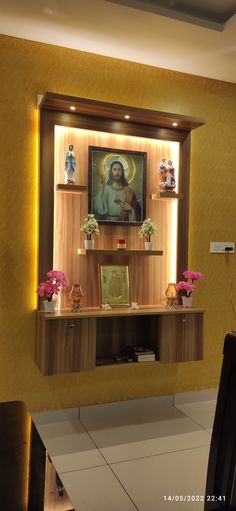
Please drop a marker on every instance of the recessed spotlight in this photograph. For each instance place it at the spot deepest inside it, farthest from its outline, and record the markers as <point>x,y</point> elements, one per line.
<point>72,107</point>
<point>174,124</point>
<point>127,116</point>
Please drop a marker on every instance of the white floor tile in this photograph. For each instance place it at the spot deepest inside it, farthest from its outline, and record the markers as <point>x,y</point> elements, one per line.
<point>96,489</point>
<point>203,413</point>
<point>143,431</point>
<point>184,398</point>
<point>137,410</point>
<point>69,446</point>
<point>149,480</point>
<point>55,416</point>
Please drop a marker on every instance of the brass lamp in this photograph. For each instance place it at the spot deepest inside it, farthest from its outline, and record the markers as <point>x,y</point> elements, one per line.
<point>171,294</point>
<point>76,296</point>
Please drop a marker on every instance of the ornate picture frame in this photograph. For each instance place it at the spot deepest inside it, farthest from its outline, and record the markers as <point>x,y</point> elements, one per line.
<point>117,185</point>
<point>114,285</point>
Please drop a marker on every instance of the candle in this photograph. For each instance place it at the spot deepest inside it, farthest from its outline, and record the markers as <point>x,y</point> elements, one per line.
<point>121,244</point>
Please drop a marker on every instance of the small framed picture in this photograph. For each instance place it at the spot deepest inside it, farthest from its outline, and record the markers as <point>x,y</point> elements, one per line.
<point>117,185</point>
<point>114,285</point>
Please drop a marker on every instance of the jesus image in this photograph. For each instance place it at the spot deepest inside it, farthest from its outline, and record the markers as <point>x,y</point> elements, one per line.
<point>116,200</point>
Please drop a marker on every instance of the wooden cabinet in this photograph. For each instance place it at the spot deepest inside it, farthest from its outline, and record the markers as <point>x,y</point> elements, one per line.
<point>186,334</point>
<point>67,343</point>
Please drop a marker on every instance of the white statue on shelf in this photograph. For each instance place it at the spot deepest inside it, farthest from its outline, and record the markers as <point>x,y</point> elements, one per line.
<point>167,175</point>
<point>70,165</point>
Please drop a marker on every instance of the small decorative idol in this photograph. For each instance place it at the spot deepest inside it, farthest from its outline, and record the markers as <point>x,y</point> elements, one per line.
<point>167,176</point>
<point>70,165</point>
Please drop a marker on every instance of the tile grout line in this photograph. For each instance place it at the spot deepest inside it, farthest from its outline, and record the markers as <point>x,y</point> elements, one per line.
<point>160,454</point>
<point>136,507</point>
<point>194,421</point>
<point>110,467</point>
<point>79,469</point>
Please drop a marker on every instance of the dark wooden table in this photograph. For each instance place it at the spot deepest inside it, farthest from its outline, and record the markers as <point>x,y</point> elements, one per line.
<point>28,480</point>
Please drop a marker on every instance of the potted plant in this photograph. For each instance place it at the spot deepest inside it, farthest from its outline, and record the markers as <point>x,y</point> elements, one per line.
<point>90,227</point>
<point>147,230</point>
<point>55,281</point>
<point>186,287</point>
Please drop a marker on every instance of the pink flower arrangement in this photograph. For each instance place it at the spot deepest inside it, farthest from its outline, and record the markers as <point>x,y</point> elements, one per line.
<point>193,275</point>
<point>189,286</point>
<point>56,280</point>
<point>186,287</point>
<point>47,289</point>
<point>58,277</point>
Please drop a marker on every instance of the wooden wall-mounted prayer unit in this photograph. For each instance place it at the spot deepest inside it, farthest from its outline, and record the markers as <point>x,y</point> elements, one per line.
<point>63,208</point>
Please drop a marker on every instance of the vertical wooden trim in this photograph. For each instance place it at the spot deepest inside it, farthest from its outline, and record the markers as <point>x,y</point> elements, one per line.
<point>183,210</point>
<point>46,194</point>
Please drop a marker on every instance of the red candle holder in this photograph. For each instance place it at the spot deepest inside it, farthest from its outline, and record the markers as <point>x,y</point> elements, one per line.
<point>121,244</point>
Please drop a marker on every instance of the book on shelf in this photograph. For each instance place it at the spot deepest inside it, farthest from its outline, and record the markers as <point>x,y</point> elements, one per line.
<point>149,357</point>
<point>139,350</point>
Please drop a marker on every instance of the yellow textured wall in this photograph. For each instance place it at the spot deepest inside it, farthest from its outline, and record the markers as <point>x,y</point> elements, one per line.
<point>28,69</point>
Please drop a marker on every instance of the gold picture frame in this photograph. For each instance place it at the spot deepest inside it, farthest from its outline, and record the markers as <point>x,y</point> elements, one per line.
<point>114,286</point>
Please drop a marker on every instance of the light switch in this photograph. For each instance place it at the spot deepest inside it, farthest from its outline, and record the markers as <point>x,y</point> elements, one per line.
<point>226,247</point>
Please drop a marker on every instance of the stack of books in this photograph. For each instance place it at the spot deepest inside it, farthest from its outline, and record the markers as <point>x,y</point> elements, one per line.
<point>141,354</point>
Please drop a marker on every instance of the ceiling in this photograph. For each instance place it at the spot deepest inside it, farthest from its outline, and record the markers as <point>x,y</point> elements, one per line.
<point>192,36</point>
<point>207,13</point>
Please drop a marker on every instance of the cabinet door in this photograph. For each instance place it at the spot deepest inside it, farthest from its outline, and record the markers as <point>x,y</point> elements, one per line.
<point>180,337</point>
<point>66,345</point>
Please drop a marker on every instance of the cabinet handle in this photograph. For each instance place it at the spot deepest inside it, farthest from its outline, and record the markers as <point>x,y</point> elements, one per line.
<point>184,320</point>
<point>71,325</point>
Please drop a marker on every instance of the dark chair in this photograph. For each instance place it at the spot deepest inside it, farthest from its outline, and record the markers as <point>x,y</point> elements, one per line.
<point>22,460</point>
<point>221,474</point>
<point>23,465</point>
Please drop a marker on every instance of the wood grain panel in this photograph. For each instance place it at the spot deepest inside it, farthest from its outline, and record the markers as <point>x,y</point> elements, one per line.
<point>180,338</point>
<point>114,334</point>
<point>66,345</point>
<point>52,501</point>
<point>149,278</point>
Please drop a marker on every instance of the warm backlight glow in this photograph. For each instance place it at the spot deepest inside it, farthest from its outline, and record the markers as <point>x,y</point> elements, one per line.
<point>36,212</point>
<point>70,213</point>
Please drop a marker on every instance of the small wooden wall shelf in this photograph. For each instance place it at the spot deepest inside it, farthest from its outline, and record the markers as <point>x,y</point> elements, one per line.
<point>60,187</point>
<point>166,196</point>
<point>116,252</point>
<point>69,342</point>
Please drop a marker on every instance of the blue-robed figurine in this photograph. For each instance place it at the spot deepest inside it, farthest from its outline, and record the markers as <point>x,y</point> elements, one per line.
<point>70,165</point>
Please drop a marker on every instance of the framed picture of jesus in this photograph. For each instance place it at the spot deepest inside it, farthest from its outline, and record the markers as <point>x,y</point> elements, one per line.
<point>117,185</point>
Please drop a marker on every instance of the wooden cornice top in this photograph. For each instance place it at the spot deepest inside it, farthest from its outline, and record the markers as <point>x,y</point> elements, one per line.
<point>89,107</point>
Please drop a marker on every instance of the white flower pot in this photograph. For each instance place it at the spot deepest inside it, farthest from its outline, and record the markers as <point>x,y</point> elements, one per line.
<point>49,307</point>
<point>149,245</point>
<point>89,244</point>
<point>187,301</point>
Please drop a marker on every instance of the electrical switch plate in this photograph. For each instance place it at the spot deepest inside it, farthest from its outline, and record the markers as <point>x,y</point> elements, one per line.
<point>226,247</point>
